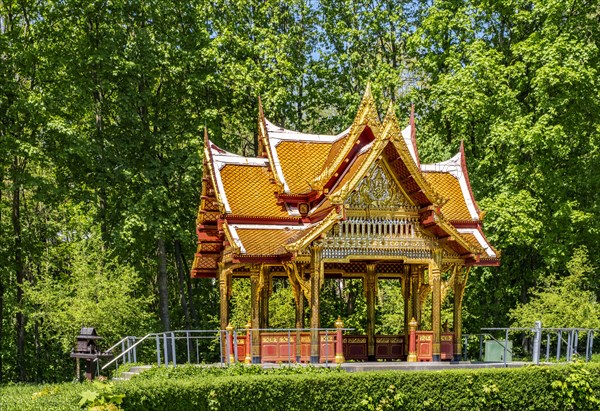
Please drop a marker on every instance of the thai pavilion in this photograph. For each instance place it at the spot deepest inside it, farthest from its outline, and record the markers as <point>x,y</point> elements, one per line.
<point>354,205</point>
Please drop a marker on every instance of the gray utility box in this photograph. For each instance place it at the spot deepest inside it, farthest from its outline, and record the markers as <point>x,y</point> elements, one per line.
<point>494,351</point>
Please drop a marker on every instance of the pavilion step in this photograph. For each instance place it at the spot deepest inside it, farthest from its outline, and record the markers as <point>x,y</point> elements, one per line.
<point>133,371</point>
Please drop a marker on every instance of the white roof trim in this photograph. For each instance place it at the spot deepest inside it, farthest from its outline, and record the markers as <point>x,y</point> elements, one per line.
<point>453,167</point>
<point>279,133</point>
<point>269,226</point>
<point>236,238</point>
<point>221,158</point>
<point>406,135</point>
<point>273,143</point>
<point>480,239</point>
<point>292,210</point>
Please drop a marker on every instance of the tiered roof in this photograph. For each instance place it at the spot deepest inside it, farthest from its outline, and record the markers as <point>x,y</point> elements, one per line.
<point>266,209</point>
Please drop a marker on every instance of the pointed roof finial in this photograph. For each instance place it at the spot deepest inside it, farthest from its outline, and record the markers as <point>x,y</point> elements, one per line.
<point>390,109</point>
<point>461,150</point>
<point>368,93</point>
<point>261,113</point>
<point>205,136</point>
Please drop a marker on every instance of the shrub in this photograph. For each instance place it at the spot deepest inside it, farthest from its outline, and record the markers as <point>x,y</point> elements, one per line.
<point>252,388</point>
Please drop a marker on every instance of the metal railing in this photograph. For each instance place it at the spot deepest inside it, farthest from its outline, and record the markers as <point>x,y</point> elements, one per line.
<point>534,337</point>
<point>202,345</point>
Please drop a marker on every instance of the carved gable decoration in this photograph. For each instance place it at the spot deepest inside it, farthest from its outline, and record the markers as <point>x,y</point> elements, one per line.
<point>377,190</point>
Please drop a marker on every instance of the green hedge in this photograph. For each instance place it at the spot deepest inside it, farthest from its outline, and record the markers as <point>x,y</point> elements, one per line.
<point>529,388</point>
<point>49,397</point>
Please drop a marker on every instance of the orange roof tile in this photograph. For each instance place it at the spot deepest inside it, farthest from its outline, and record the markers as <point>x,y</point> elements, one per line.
<point>250,191</point>
<point>265,241</point>
<point>335,149</point>
<point>446,185</point>
<point>352,170</point>
<point>301,162</point>
<point>472,240</point>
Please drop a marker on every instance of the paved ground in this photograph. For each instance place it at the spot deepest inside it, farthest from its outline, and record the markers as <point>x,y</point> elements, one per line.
<point>415,366</point>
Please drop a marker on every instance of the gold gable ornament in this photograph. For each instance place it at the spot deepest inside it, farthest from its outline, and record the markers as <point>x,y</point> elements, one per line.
<point>377,190</point>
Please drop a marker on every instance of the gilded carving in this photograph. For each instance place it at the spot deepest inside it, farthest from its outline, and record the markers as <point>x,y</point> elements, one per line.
<point>377,190</point>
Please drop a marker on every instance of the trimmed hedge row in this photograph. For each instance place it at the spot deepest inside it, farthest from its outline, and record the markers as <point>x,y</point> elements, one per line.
<point>49,397</point>
<point>529,388</point>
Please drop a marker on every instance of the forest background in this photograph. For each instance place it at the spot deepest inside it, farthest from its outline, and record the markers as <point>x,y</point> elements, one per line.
<point>102,110</point>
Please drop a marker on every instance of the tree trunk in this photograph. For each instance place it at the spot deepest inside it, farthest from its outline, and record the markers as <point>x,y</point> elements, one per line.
<point>20,273</point>
<point>181,281</point>
<point>188,282</point>
<point>163,285</point>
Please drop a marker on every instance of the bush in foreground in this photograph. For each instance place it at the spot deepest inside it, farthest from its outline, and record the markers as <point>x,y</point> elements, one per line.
<point>529,388</point>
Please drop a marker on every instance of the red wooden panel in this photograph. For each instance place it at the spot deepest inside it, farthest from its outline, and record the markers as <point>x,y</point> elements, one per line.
<point>447,348</point>
<point>389,347</point>
<point>424,345</point>
<point>278,347</point>
<point>241,347</point>
<point>355,347</point>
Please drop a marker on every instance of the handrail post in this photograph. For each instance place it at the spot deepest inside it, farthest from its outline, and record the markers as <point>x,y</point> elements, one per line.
<point>229,354</point>
<point>221,352</point>
<point>339,348</point>
<point>480,347</point>
<point>187,344</point>
<point>412,341</point>
<point>289,344</point>
<point>134,349</point>
<point>173,349</point>
<point>326,347</point>
<point>235,346</point>
<point>548,346</point>
<point>558,344</point>
<point>465,355</point>
<point>123,350</point>
<point>537,342</point>
<point>165,349</point>
<point>158,349</point>
<point>248,357</point>
<point>505,346</point>
<point>591,343</point>
<point>569,345</point>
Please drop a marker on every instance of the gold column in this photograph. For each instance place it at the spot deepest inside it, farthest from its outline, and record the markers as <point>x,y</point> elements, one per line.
<point>265,293</point>
<point>224,293</point>
<point>415,275</point>
<point>299,303</point>
<point>435,265</point>
<point>460,282</point>
<point>223,296</point>
<point>371,294</point>
<point>408,314</point>
<point>316,273</point>
<point>255,272</point>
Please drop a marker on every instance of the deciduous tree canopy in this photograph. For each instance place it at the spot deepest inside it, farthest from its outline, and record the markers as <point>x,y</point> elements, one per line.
<point>102,106</point>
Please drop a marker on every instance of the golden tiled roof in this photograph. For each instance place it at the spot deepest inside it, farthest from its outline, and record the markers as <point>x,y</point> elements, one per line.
<point>301,161</point>
<point>352,170</point>
<point>472,240</point>
<point>250,191</point>
<point>336,147</point>
<point>446,185</point>
<point>265,241</point>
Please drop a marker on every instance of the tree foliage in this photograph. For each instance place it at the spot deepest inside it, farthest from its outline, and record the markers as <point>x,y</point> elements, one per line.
<point>102,106</point>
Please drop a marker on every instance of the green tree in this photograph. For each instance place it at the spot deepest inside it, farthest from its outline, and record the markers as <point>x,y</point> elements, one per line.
<point>565,301</point>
